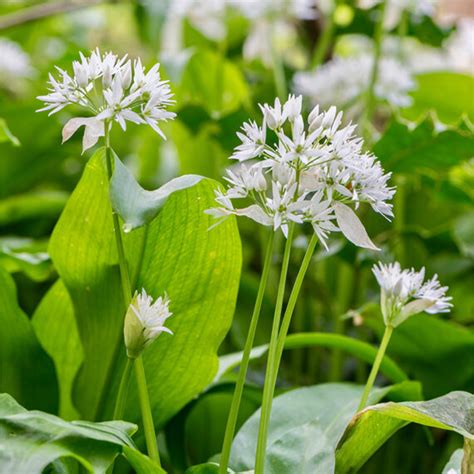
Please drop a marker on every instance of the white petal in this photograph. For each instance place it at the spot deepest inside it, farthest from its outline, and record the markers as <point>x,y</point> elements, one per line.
<point>352,227</point>
<point>94,129</point>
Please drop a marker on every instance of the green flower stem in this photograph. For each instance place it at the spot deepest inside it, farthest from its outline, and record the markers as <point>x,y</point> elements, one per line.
<point>123,391</point>
<point>124,273</point>
<point>267,393</point>
<point>370,103</point>
<point>239,387</point>
<point>375,368</point>
<point>467,466</point>
<point>325,40</point>
<point>147,418</point>
<point>275,364</point>
<point>278,70</point>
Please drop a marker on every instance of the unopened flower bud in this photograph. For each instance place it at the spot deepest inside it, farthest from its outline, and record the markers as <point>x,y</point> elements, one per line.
<point>144,322</point>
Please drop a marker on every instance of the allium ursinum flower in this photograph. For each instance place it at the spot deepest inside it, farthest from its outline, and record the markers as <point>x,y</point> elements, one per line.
<point>144,322</point>
<point>344,81</point>
<point>315,172</point>
<point>403,293</point>
<point>14,64</point>
<point>111,89</point>
<point>396,8</point>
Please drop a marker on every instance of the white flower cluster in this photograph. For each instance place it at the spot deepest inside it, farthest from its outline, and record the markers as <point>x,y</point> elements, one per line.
<point>145,321</point>
<point>313,173</point>
<point>344,81</point>
<point>404,293</point>
<point>14,63</point>
<point>112,89</point>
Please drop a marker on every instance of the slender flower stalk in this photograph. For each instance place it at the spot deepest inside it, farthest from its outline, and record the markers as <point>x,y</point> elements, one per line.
<point>371,97</point>
<point>325,40</point>
<point>147,417</point>
<point>375,368</point>
<point>274,358</point>
<point>403,294</point>
<point>272,348</point>
<point>239,386</point>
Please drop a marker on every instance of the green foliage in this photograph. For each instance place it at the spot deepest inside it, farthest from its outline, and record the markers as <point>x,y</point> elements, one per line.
<point>306,426</point>
<point>405,150</point>
<point>32,440</point>
<point>373,426</point>
<point>176,253</point>
<point>444,93</point>
<point>137,206</point>
<point>26,371</point>
<point>55,327</point>
<point>6,135</point>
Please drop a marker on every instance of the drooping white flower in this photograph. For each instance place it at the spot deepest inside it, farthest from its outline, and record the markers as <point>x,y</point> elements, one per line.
<point>111,89</point>
<point>315,172</point>
<point>14,63</point>
<point>344,82</point>
<point>404,294</point>
<point>144,322</point>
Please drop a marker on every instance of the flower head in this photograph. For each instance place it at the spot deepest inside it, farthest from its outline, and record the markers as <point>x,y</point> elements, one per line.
<point>111,89</point>
<point>144,322</point>
<point>315,172</point>
<point>404,293</point>
<point>343,81</point>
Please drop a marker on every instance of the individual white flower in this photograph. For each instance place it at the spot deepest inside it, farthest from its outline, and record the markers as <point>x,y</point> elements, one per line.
<point>144,322</point>
<point>344,82</point>
<point>14,64</point>
<point>403,293</point>
<point>315,172</point>
<point>111,89</point>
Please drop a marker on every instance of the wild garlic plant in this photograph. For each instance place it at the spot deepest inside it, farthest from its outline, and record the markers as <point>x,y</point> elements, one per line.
<point>403,294</point>
<point>295,170</point>
<point>118,90</point>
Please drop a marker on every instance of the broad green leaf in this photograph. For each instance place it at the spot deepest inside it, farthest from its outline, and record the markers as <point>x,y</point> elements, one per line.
<point>26,371</point>
<point>213,82</point>
<point>141,463</point>
<point>55,327</point>
<point>32,440</point>
<point>405,150</point>
<point>445,93</point>
<point>34,205</point>
<point>176,253</point>
<point>6,135</point>
<point>136,205</point>
<point>18,254</point>
<point>370,428</point>
<point>207,468</point>
<point>306,426</point>
<point>359,349</point>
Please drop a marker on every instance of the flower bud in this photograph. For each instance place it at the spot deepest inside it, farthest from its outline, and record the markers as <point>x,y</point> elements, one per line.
<point>144,322</point>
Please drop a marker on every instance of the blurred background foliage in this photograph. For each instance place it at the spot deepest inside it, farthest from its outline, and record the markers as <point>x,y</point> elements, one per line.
<point>429,147</point>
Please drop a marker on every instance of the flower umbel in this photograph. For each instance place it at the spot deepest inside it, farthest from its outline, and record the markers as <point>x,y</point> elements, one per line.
<point>403,293</point>
<point>314,172</point>
<point>111,89</point>
<point>144,322</point>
